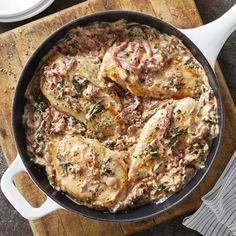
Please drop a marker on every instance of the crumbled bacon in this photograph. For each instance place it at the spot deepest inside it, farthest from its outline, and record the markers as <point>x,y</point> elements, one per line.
<point>212,107</point>
<point>131,107</point>
<point>55,72</point>
<point>70,63</point>
<point>137,48</point>
<point>177,155</point>
<point>147,48</point>
<point>54,121</point>
<point>120,48</point>
<point>58,126</point>
<point>52,78</point>
<point>166,123</point>
<point>30,140</point>
<point>137,64</point>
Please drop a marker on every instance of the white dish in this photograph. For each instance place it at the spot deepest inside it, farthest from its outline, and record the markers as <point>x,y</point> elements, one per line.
<point>15,10</point>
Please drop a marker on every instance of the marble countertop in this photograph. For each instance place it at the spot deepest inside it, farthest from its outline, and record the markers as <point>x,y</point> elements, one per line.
<point>11,223</point>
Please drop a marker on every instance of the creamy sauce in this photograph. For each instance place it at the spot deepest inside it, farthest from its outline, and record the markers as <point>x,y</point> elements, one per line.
<point>120,115</point>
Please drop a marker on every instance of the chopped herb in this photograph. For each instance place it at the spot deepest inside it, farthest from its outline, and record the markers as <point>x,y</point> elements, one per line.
<point>96,108</point>
<point>69,35</point>
<point>142,79</point>
<point>178,111</point>
<point>150,150</point>
<point>209,121</point>
<point>76,123</point>
<point>173,139</point>
<point>156,168</point>
<point>179,86</point>
<point>191,63</point>
<point>139,199</point>
<point>73,95</point>
<point>164,106</point>
<point>60,158</point>
<point>154,155</point>
<point>42,105</point>
<point>190,165</point>
<point>60,85</point>
<point>79,83</point>
<point>38,96</point>
<point>173,135</point>
<point>96,154</point>
<point>74,44</point>
<point>124,54</point>
<point>110,144</point>
<point>106,170</point>
<point>210,124</point>
<point>63,165</point>
<point>196,152</point>
<point>159,187</point>
<point>60,89</point>
<point>39,137</point>
<point>60,95</point>
<point>64,170</point>
<point>91,135</point>
<point>76,107</point>
<point>77,33</point>
<point>176,84</point>
<point>130,34</point>
<point>40,102</point>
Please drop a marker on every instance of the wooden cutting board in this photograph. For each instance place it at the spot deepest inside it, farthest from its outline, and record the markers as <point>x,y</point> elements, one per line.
<point>17,45</point>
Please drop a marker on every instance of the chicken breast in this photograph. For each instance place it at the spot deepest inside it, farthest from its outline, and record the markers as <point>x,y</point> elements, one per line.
<point>69,90</point>
<point>87,171</point>
<point>160,68</point>
<point>165,139</point>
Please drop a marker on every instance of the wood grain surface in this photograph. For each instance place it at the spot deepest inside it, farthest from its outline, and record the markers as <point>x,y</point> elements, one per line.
<point>17,45</point>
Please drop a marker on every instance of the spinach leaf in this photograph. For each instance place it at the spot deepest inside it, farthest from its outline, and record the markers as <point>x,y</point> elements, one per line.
<point>79,83</point>
<point>63,165</point>
<point>96,108</point>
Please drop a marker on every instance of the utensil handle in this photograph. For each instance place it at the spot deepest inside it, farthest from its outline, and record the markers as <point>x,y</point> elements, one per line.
<point>17,200</point>
<point>211,37</point>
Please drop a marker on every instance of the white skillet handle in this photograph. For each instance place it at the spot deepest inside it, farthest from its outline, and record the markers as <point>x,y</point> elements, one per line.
<point>17,200</point>
<point>211,37</point>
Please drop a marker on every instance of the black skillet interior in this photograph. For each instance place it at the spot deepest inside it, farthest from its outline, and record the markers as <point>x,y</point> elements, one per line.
<point>38,175</point>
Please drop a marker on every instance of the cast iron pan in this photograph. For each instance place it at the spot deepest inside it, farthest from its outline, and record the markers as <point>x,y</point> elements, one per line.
<point>38,175</point>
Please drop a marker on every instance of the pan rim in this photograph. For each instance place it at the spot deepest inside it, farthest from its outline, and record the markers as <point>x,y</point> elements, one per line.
<point>49,40</point>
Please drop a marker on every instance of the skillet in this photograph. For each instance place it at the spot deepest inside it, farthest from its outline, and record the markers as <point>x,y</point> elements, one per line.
<point>204,53</point>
